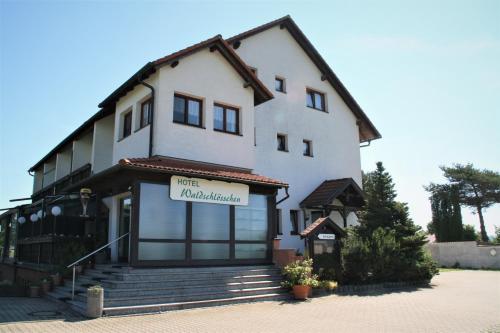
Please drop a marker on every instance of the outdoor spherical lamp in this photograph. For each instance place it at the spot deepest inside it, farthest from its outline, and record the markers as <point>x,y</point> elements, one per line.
<point>40,214</point>
<point>34,217</point>
<point>21,219</point>
<point>56,210</point>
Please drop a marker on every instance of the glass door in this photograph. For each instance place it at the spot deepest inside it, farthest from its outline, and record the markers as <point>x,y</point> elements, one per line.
<point>123,228</point>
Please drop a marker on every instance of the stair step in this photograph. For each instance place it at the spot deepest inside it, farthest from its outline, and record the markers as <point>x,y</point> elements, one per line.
<point>188,296</point>
<point>149,308</point>
<point>167,276</point>
<point>172,290</point>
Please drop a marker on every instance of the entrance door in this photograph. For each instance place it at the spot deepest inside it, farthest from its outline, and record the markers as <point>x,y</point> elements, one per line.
<point>123,228</point>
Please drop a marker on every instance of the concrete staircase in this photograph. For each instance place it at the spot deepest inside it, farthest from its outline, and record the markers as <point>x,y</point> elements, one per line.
<point>129,290</point>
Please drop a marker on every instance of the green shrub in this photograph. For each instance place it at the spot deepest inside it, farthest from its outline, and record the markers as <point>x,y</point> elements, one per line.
<point>380,257</point>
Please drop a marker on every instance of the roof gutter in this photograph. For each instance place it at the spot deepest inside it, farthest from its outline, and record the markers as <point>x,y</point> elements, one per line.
<point>151,114</point>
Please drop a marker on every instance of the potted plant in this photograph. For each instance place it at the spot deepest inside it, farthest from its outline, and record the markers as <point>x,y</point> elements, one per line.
<point>299,277</point>
<point>95,301</point>
<point>329,285</point>
<point>56,279</point>
<point>34,290</point>
<point>45,285</point>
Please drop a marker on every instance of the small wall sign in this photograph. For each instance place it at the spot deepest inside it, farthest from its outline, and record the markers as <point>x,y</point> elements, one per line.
<point>326,236</point>
<point>210,191</point>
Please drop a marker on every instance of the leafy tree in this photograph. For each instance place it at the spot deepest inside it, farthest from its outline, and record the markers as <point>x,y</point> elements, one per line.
<point>446,213</point>
<point>478,189</point>
<point>469,233</point>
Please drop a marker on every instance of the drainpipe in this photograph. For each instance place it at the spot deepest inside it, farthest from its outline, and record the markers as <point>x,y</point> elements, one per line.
<point>151,115</point>
<point>286,197</point>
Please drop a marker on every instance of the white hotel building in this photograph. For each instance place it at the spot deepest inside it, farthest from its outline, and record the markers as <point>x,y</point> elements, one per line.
<point>258,122</point>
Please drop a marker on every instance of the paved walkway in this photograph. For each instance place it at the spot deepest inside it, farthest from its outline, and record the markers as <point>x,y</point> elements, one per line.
<point>460,301</point>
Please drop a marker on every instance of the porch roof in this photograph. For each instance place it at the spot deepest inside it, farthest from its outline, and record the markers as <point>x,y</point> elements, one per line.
<point>314,227</point>
<point>193,168</point>
<point>344,189</point>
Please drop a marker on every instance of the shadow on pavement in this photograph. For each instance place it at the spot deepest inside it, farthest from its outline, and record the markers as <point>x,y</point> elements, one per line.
<point>25,310</point>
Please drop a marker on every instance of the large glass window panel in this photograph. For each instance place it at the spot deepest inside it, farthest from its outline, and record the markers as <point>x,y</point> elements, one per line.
<point>194,113</point>
<point>161,251</point>
<point>251,221</point>
<point>218,118</point>
<point>205,251</point>
<point>250,251</point>
<point>231,119</point>
<point>210,221</point>
<point>179,105</point>
<point>159,216</point>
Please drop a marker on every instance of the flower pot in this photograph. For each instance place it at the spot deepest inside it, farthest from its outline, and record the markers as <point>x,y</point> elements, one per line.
<point>34,291</point>
<point>45,287</point>
<point>301,292</point>
<point>56,279</point>
<point>95,303</point>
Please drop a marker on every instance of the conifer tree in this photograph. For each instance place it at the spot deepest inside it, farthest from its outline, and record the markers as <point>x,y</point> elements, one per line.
<point>446,213</point>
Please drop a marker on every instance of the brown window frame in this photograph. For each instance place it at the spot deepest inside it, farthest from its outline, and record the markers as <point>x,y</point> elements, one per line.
<point>294,223</point>
<point>141,122</point>
<point>314,106</point>
<point>309,148</point>
<point>127,116</point>
<point>283,85</point>
<point>224,119</point>
<point>186,110</point>
<point>285,148</point>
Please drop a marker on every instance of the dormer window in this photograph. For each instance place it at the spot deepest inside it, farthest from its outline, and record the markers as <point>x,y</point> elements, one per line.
<point>315,100</point>
<point>127,124</point>
<point>226,119</point>
<point>187,110</point>
<point>145,113</point>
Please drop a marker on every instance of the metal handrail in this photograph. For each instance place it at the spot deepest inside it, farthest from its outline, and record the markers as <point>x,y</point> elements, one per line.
<point>87,256</point>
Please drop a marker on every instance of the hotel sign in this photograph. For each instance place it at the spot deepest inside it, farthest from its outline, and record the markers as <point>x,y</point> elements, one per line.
<point>210,191</point>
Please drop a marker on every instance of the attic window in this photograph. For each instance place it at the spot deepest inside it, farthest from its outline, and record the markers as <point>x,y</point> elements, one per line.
<point>315,100</point>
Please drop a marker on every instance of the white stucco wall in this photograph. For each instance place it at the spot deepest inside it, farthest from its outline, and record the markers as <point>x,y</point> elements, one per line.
<point>82,151</point>
<point>102,147</point>
<point>466,254</point>
<point>208,76</point>
<point>137,143</point>
<point>334,134</point>
<point>63,164</point>
<point>38,180</point>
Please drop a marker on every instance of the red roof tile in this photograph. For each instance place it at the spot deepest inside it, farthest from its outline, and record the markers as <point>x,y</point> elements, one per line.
<point>193,168</point>
<point>318,223</point>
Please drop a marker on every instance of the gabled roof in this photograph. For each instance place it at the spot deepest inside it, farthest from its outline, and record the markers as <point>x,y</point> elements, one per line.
<point>261,93</point>
<point>367,130</point>
<point>199,169</point>
<point>329,190</point>
<point>314,227</point>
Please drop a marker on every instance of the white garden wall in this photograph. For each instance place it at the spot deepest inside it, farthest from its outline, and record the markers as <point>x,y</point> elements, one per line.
<point>466,254</point>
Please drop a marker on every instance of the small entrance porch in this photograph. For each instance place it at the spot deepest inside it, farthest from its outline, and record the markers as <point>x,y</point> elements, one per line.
<point>329,210</point>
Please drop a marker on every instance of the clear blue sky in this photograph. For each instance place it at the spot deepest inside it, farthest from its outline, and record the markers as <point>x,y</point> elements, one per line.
<point>426,72</point>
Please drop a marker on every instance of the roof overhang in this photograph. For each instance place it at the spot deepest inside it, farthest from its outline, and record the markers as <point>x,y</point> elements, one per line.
<point>346,190</point>
<point>317,226</point>
<point>217,43</point>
